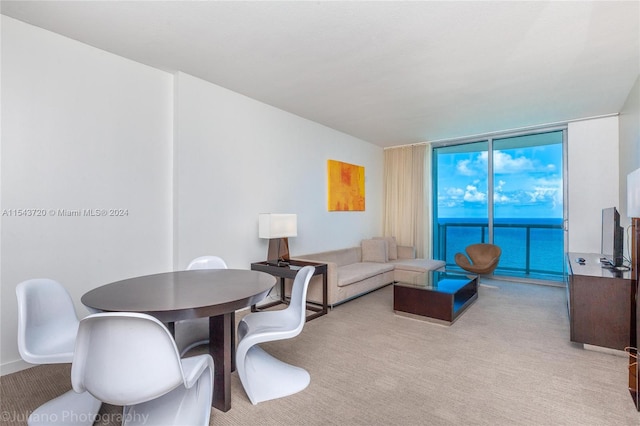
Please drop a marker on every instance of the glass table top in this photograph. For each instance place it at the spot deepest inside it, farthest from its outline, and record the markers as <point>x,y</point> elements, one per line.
<point>440,281</point>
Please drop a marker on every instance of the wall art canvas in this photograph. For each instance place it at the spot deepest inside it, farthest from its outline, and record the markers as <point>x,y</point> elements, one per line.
<point>346,186</point>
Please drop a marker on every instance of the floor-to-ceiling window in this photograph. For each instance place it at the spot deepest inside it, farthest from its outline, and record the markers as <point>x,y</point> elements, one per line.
<point>507,190</point>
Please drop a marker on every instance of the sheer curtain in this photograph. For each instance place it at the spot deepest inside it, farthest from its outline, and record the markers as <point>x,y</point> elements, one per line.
<point>407,196</point>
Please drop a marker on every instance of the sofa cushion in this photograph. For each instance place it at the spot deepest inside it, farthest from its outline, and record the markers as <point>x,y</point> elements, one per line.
<point>374,251</point>
<point>392,246</point>
<point>417,265</point>
<point>356,272</point>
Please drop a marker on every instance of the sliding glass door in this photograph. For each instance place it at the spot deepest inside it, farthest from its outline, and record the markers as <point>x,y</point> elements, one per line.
<point>461,187</point>
<point>507,191</point>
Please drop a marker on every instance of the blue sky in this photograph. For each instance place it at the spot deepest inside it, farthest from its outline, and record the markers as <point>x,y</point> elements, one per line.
<point>527,182</point>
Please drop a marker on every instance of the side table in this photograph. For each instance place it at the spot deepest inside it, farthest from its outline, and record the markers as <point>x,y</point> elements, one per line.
<point>290,271</point>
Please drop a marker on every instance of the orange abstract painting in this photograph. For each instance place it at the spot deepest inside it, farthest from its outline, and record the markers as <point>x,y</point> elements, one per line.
<point>346,186</point>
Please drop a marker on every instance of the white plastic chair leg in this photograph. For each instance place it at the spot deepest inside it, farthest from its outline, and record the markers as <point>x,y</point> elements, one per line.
<point>69,409</point>
<point>265,377</point>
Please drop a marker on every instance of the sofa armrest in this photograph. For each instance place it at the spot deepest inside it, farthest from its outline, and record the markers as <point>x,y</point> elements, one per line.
<point>406,252</point>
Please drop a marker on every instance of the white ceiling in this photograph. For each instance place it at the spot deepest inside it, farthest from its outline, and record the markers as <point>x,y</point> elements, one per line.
<point>391,73</point>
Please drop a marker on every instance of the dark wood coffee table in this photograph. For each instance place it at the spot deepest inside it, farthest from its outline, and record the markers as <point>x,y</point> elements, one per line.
<point>437,296</point>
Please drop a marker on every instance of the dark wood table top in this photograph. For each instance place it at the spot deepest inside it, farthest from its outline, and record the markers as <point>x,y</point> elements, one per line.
<point>173,296</point>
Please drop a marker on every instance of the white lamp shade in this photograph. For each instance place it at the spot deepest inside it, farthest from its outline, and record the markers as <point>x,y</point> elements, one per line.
<point>277,225</point>
<point>633,194</point>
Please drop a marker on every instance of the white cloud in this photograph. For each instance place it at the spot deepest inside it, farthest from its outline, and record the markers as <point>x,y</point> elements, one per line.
<point>463,168</point>
<point>455,192</point>
<point>498,195</point>
<point>542,194</point>
<point>549,182</point>
<point>451,197</point>
<point>505,163</point>
<point>501,198</point>
<point>473,195</point>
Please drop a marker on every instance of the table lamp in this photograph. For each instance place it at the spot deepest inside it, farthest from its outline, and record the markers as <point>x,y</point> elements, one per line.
<point>277,227</point>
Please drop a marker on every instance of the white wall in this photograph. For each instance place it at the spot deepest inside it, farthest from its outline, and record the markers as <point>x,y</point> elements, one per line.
<point>81,129</point>
<point>629,145</point>
<point>593,179</point>
<point>236,157</point>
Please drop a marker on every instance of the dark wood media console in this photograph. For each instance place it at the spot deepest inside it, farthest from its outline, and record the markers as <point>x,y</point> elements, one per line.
<point>600,302</point>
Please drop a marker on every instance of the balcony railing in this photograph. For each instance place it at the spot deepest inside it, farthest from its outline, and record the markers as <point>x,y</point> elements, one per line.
<point>528,249</point>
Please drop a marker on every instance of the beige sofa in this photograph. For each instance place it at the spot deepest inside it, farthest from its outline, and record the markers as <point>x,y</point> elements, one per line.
<point>355,271</point>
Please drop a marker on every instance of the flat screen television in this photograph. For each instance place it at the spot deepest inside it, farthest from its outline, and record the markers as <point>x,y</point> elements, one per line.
<point>612,238</point>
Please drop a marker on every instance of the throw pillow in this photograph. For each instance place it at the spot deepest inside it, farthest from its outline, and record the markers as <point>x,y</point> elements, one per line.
<point>374,251</point>
<point>392,246</point>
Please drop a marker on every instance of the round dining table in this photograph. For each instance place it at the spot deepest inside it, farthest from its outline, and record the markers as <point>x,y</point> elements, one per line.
<point>180,295</point>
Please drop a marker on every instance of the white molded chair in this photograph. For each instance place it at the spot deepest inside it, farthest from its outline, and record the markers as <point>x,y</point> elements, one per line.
<point>47,328</point>
<point>131,359</point>
<point>263,376</point>
<point>192,333</point>
<point>207,262</point>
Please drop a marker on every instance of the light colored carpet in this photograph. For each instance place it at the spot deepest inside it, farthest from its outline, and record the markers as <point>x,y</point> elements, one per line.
<point>506,361</point>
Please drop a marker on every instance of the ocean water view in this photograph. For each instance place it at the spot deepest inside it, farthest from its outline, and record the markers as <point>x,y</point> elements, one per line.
<point>517,180</point>
<point>531,247</point>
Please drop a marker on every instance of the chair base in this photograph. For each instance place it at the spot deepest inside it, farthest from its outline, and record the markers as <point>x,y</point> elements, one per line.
<point>69,409</point>
<point>179,407</point>
<point>269,378</point>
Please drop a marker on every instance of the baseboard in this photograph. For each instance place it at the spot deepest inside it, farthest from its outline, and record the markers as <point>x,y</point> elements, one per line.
<point>14,367</point>
<point>605,350</point>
